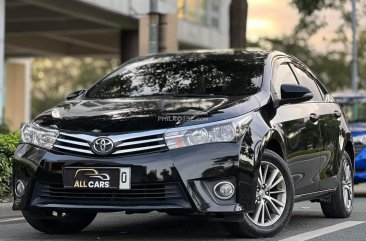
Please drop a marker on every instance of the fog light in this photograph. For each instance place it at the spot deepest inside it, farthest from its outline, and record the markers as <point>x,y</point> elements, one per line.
<point>224,190</point>
<point>19,188</point>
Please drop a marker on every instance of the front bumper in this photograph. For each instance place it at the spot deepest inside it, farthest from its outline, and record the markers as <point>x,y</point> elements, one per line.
<point>175,179</point>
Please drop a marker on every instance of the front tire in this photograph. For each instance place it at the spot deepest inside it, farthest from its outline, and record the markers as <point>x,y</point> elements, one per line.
<point>341,202</point>
<point>52,222</point>
<point>274,200</point>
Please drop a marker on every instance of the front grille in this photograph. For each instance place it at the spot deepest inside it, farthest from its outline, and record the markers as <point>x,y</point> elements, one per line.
<point>128,144</point>
<point>138,193</point>
<point>358,148</point>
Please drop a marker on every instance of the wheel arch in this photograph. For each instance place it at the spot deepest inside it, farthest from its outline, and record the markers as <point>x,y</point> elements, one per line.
<point>350,151</point>
<point>273,141</point>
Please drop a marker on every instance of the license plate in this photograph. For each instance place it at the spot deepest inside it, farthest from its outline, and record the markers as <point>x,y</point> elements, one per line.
<point>97,178</point>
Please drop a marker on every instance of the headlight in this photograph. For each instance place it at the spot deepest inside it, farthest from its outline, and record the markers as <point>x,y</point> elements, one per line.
<point>39,136</point>
<point>360,139</point>
<point>221,131</point>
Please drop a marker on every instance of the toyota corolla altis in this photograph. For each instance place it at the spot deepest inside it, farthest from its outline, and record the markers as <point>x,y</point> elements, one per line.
<point>238,136</point>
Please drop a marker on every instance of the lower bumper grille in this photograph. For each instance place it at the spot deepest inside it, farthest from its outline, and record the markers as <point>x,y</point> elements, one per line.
<point>145,194</point>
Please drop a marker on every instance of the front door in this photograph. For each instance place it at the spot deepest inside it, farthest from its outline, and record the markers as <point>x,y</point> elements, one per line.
<point>302,132</point>
<point>329,121</point>
<point>300,124</point>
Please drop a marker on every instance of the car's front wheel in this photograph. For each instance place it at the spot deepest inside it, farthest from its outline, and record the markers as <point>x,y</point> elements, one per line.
<point>53,222</point>
<point>274,200</point>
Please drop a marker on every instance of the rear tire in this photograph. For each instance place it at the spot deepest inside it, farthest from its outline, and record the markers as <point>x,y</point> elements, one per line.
<point>63,223</point>
<point>341,202</point>
<point>274,202</point>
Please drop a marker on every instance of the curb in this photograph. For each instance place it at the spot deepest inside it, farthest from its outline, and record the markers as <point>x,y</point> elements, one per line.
<point>6,211</point>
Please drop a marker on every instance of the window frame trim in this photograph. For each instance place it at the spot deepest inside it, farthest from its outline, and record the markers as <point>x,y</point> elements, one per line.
<point>281,61</point>
<point>304,69</point>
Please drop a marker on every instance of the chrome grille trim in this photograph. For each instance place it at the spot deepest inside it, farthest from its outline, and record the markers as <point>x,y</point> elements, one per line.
<point>83,137</point>
<point>124,143</point>
<point>139,142</point>
<point>74,142</point>
<point>119,138</point>
<point>73,149</point>
<point>139,149</point>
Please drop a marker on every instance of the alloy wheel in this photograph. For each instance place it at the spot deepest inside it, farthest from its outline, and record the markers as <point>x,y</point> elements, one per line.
<point>347,185</point>
<point>270,196</point>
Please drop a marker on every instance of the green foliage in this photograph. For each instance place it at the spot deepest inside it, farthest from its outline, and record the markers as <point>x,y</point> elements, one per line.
<point>4,129</point>
<point>8,143</point>
<point>310,14</point>
<point>54,78</point>
<point>332,68</point>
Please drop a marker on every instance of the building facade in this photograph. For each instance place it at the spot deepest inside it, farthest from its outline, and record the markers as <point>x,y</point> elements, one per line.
<point>105,28</point>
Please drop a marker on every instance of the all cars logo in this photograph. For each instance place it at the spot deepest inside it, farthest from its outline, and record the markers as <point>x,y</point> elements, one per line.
<point>94,179</point>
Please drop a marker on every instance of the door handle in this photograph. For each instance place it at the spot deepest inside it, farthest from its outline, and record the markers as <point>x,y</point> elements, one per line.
<point>314,117</point>
<point>337,114</point>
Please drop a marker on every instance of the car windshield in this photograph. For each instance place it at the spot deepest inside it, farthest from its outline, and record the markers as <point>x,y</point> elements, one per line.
<point>354,110</point>
<point>184,75</point>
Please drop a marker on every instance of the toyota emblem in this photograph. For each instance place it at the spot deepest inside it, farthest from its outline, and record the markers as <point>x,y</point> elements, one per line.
<point>103,146</point>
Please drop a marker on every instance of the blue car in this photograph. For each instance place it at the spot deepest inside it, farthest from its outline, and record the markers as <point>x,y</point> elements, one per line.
<point>354,107</point>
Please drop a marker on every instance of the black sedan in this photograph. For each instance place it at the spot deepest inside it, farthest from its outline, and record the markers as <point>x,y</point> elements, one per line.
<point>235,135</point>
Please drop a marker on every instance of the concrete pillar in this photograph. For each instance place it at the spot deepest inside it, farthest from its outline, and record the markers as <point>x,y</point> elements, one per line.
<point>2,58</point>
<point>18,92</point>
<point>129,45</point>
<point>144,34</point>
<point>168,33</point>
<point>168,41</point>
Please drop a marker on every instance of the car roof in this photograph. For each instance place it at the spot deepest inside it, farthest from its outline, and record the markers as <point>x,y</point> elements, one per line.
<point>250,51</point>
<point>258,55</point>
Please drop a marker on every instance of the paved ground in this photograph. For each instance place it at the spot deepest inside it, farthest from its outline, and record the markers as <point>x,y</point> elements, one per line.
<point>307,223</point>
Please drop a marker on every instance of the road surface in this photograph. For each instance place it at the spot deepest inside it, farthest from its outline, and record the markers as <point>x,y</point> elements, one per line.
<point>307,223</point>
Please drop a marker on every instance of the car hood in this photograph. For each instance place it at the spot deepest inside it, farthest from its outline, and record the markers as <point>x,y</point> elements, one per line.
<point>139,114</point>
<point>357,128</point>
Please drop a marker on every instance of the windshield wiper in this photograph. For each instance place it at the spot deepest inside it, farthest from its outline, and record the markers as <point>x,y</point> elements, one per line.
<point>159,94</point>
<point>178,95</point>
<point>195,95</point>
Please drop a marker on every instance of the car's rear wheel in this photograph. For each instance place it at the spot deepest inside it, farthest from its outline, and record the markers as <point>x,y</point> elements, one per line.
<point>53,222</point>
<point>341,202</point>
<point>274,200</point>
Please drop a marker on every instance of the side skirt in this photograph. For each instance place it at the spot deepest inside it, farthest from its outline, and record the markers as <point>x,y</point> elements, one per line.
<point>314,195</point>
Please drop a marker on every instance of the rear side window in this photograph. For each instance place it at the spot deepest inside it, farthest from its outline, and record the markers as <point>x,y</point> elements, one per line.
<point>283,75</point>
<point>306,79</point>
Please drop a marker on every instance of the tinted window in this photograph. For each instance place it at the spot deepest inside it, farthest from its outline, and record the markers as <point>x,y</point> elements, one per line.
<point>306,79</point>
<point>283,75</point>
<point>193,74</point>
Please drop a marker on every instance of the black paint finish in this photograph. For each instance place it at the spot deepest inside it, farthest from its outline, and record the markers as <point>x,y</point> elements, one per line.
<point>307,134</point>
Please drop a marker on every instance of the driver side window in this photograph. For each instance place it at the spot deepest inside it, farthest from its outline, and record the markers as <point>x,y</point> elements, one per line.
<point>283,75</point>
<point>307,80</point>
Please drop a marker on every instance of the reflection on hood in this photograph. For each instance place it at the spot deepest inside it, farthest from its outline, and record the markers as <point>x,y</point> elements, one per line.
<point>136,114</point>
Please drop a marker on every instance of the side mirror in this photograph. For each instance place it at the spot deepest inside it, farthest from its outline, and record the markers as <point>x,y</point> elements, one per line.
<point>74,94</point>
<point>291,94</point>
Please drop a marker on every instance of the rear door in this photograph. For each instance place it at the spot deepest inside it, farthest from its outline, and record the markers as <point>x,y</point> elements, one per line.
<point>329,123</point>
<point>302,134</point>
